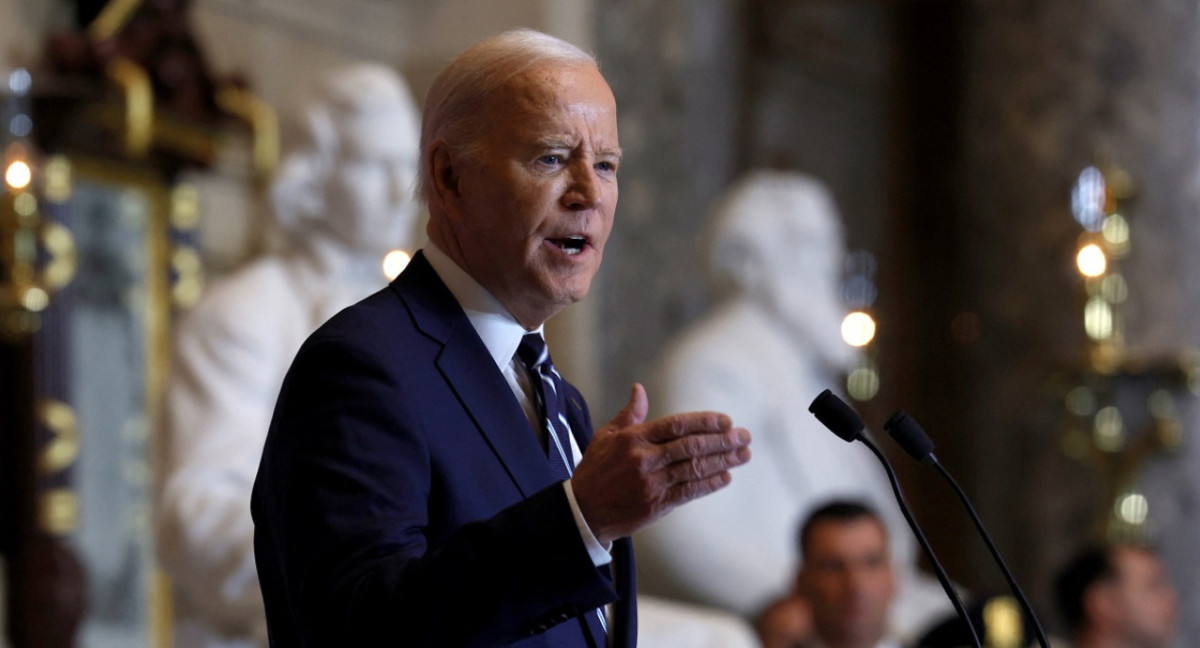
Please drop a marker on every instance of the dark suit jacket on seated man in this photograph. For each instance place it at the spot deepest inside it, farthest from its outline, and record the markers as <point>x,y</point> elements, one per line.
<point>404,496</point>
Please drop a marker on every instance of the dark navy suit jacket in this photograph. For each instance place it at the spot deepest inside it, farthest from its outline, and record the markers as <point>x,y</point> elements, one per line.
<point>403,500</point>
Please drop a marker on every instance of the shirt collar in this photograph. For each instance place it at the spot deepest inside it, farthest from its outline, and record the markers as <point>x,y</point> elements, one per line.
<point>499,330</point>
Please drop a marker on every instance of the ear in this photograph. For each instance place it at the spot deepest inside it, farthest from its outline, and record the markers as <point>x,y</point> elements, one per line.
<point>444,179</point>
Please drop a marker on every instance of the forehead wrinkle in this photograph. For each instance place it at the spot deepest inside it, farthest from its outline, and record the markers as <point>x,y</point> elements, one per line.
<point>534,106</point>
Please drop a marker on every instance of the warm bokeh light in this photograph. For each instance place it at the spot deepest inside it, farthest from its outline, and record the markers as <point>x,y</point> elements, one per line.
<point>1091,260</point>
<point>35,299</point>
<point>18,174</point>
<point>863,383</point>
<point>1133,508</point>
<point>1116,234</point>
<point>394,263</point>
<point>1098,319</point>
<point>858,329</point>
<point>25,204</point>
<point>1109,429</point>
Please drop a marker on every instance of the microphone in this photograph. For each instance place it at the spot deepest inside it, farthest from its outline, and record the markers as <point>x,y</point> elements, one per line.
<point>913,439</point>
<point>836,415</point>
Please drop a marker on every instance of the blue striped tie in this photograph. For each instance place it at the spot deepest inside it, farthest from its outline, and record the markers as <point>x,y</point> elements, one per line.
<point>548,390</point>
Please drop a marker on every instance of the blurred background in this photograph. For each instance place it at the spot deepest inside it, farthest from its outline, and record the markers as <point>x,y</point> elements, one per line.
<point>1019,181</point>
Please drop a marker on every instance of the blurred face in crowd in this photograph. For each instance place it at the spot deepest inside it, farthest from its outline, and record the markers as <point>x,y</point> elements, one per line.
<point>848,581</point>
<point>528,211</point>
<point>1139,605</point>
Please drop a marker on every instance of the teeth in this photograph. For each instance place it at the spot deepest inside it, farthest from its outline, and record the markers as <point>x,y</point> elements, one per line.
<point>572,245</point>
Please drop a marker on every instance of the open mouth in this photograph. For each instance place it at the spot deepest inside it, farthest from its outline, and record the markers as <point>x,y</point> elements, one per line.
<point>572,245</point>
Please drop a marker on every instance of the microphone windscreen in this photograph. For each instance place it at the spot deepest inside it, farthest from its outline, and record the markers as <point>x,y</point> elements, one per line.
<point>836,415</point>
<point>908,433</point>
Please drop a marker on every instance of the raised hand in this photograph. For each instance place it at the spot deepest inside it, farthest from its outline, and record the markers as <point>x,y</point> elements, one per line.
<point>635,471</point>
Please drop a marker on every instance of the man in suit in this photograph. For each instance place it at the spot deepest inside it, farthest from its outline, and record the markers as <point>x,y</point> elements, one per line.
<point>408,492</point>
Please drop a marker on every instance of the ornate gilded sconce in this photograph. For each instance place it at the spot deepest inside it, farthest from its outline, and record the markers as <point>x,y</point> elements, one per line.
<point>1121,410</point>
<point>40,260</point>
<point>263,123</point>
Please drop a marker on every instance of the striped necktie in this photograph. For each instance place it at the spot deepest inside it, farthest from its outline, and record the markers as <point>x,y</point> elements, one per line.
<point>548,387</point>
<point>549,390</point>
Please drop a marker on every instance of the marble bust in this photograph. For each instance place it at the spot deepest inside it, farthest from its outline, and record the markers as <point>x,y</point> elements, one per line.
<point>768,347</point>
<point>341,200</point>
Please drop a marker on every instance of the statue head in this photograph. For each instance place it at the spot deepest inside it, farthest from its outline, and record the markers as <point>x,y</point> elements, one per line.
<point>776,239</point>
<point>351,163</point>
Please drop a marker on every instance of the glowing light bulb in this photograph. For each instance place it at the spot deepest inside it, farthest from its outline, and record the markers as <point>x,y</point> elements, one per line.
<point>394,263</point>
<point>1133,508</point>
<point>863,383</point>
<point>18,174</point>
<point>1091,260</point>
<point>858,329</point>
<point>1098,319</point>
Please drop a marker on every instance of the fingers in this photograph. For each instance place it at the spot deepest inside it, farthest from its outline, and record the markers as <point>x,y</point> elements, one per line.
<point>706,466</point>
<point>701,445</point>
<point>678,426</point>
<point>635,471</point>
<point>687,491</point>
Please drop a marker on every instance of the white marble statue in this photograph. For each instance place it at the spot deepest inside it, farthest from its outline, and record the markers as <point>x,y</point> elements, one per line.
<point>764,352</point>
<point>342,199</point>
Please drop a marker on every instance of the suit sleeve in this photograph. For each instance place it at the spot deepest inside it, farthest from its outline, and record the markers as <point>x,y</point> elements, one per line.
<point>344,503</point>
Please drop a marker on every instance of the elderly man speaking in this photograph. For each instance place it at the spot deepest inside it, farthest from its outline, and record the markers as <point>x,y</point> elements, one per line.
<point>429,479</point>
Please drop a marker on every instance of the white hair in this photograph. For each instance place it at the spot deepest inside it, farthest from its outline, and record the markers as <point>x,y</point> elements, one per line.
<point>455,105</point>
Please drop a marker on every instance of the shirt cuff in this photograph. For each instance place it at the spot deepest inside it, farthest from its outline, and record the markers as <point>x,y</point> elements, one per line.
<point>599,553</point>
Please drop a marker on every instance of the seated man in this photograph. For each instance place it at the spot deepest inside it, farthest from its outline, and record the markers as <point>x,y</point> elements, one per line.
<point>1117,597</point>
<point>844,588</point>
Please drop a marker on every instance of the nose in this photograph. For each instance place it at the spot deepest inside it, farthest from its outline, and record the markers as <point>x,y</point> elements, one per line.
<point>583,193</point>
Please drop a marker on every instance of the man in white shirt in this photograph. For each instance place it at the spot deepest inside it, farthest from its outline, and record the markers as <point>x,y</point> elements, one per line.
<point>844,588</point>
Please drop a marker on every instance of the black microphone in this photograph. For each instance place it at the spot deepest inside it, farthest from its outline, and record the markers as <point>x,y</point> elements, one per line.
<point>913,439</point>
<point>836,415</point>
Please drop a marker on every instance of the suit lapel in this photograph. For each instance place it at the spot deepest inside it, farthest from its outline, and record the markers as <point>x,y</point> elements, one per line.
<point>484,394</point>
<point>468,369</point>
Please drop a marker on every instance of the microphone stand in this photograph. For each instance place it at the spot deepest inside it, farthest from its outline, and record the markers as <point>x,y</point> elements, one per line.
<point>843,421</point>
<point>1012,582</point>
<point>917,443</point>
<point>912,523</point>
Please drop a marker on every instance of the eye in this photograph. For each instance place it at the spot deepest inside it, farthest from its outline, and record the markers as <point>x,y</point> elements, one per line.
<point>551,159</point>
<point>607,167</point>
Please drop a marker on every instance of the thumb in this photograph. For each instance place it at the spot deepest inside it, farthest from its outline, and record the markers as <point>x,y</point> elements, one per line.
<point>635,410</point>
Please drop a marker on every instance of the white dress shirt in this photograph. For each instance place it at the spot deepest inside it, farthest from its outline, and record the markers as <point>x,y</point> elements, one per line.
<point>501,334</point>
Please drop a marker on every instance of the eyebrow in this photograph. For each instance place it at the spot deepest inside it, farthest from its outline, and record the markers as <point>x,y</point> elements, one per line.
<point>558,142</point>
